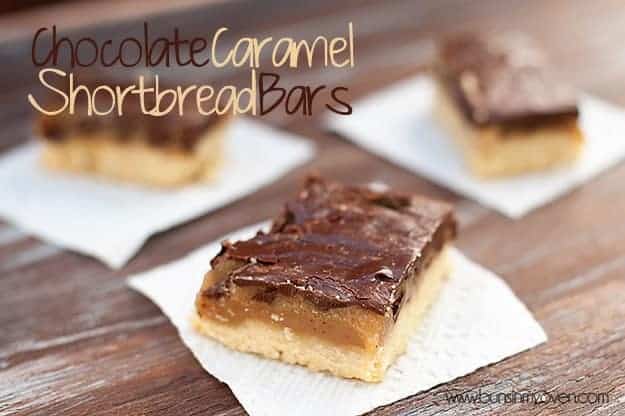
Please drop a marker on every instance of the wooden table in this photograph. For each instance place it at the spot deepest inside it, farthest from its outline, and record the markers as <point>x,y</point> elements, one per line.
<point>74,340</point>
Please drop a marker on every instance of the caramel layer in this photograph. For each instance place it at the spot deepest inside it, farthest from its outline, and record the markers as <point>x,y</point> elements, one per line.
<point>352,326</point>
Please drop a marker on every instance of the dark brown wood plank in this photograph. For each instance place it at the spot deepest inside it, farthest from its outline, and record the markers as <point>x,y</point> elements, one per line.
<point>75,340</point>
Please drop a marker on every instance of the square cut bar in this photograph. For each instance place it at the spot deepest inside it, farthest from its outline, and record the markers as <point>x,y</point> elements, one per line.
<point>507,111</point>
<point>338,284</point>
<point>164,151</point>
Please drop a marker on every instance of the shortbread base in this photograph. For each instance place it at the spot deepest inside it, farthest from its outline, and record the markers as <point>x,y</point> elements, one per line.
<point>278,342</point>
<point>134,160</point>
<point>495,151</point>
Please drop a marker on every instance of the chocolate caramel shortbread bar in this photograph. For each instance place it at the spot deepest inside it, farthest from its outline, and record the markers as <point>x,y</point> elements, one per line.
<point>338,284</point>
<point>162,151</point>
<point>507,110</point>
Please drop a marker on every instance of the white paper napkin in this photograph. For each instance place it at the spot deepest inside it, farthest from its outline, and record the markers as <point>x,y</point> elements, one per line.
<point>397,124</point>
<point>111,221</point>
<point>476,321</point>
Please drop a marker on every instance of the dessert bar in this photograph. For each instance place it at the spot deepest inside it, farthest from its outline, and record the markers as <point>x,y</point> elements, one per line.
<point>338,284</point>
<point>162,151</point>
<point>508,112</point>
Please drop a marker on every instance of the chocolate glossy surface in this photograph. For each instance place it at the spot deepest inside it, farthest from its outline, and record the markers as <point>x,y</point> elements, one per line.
<point>170,130</point>
<point>341,246</point>
<point>504,79</point>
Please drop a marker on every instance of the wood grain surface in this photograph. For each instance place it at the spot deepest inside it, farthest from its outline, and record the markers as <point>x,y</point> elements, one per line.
<point>74,340</point>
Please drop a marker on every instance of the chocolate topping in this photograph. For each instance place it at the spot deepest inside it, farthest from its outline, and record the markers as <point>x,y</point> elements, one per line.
<point>503,80</point>
<point>169,130</point>
<point>341,246</point>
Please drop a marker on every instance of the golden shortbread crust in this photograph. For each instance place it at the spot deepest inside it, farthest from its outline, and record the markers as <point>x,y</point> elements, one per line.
<point>135,160</point>
<point>368,362</point>
<point>493,151</point>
